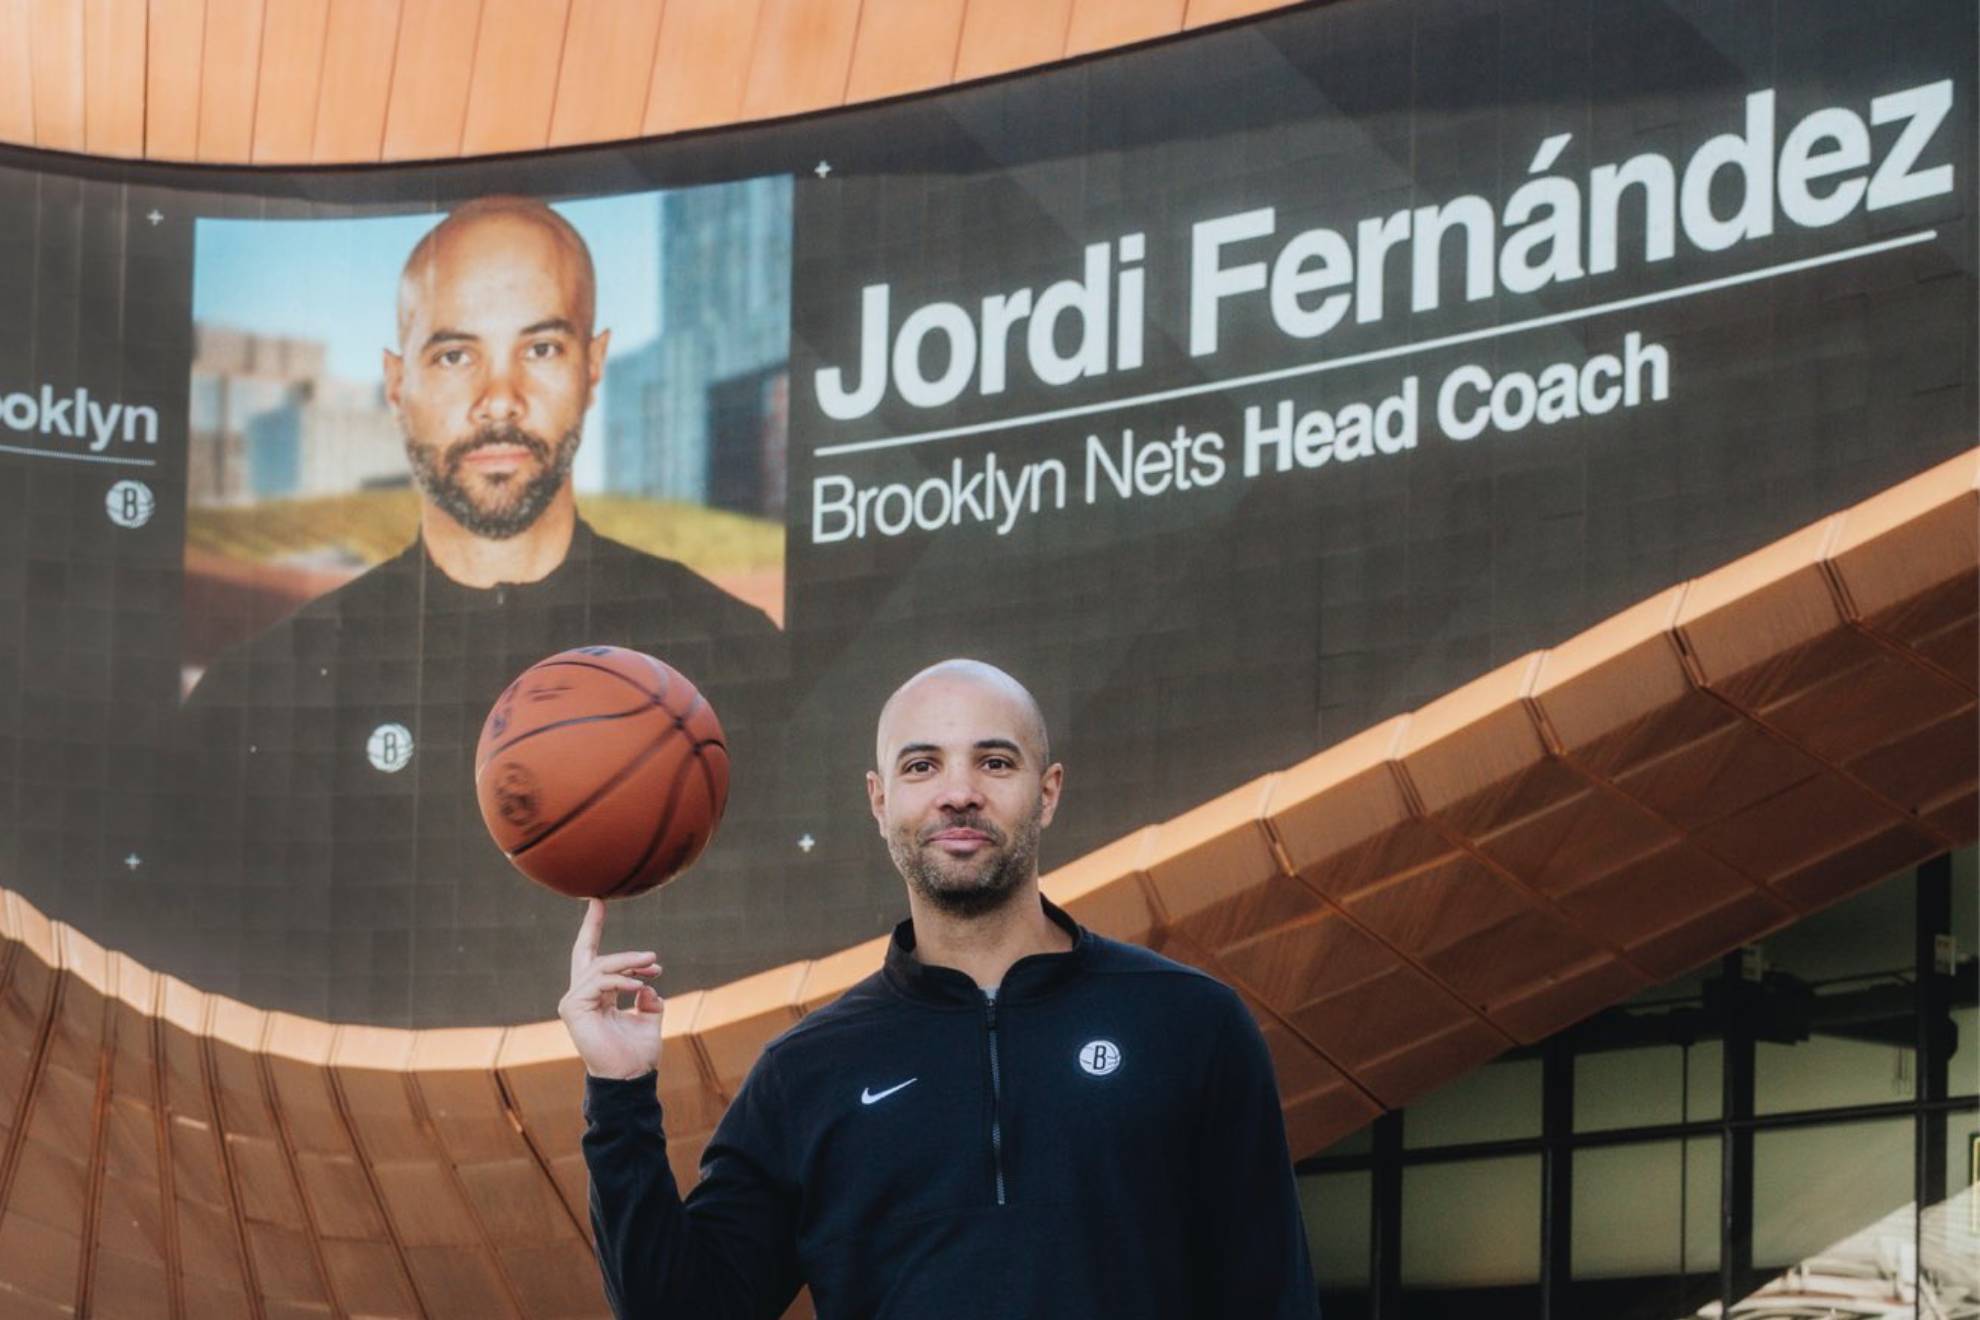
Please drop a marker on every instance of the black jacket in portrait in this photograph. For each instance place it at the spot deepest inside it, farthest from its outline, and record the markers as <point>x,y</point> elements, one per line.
<point>323,822</point>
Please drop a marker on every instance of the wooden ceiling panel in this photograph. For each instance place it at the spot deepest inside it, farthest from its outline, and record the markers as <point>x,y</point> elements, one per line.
<point>211,1278</point>
<point>230,68</point>
<point>453,1072</point>
<point>286,1271</point>
<point>1214,872</point>
<point>1417,1067</point>
<point>1706,935</point>
<point>113,77</point>
<point>359,81</point>
<point>175,36</point>
<point>1631,904</point>
<point>556,1278</point>
<point>425,1205</point>
<point>1820,881</point>
<point>700,64</point>
<point>904,46</point>
<point>1204,13</point>
<point>1811,819</point>
<point>17,72</point>
<point>1581,840</point>
<point>431,72</point>
<point>517,53</point>
<point>27,1003</point>
<point>51,1187</point>
<point>1714,776</point>
<point>1104,24</point>
<point>688,1089</point>
<point>369,1279</point>
<point>1478,933</point>
<point>341,1202</point>
<point>606,72</point>
<point>40,1265</point>
<point>1106,891</point>
<point>803,52</point>
<point>1954,815</point>
<point>1563,998</point>
<point>515,1203</point>
<point>291,81</point>
<point>1912,770</point>
<point>1911,541</point>
<point>359,41</point>
<point>999,38</point>
<point>736,1020</point>
<point>58,75</point>
<point>459,1283</point>
<point>123,1284</point>
<point>1344,819</point>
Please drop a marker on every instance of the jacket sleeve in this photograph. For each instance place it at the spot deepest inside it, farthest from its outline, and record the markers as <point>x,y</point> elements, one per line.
<point>728,1252</point>
<point>1253,1255</point>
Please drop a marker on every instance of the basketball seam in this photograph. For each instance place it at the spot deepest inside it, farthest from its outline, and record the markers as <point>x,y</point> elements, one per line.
<point>673,804</point>
<point>632,683</point>
<point>565,724</point>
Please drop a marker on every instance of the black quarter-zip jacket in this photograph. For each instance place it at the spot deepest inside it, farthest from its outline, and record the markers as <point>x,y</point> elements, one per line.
<point>1102,1138</point>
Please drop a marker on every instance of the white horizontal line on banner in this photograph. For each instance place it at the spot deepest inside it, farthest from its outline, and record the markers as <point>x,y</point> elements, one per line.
<point>78,458</point>
<point>1381,354</point>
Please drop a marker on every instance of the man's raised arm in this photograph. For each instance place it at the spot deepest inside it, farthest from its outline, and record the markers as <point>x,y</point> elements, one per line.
<point>727,1252</point>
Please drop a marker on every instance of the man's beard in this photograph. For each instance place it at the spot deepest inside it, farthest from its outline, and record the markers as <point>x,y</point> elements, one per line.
<point>970,894</point>
<point>440,478</point>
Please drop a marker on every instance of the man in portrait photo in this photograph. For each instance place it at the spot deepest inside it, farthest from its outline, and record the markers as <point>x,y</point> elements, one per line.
<point>326,763</point>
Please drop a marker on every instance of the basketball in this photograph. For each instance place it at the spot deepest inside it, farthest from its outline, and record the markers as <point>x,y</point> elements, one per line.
<point>601,772</point>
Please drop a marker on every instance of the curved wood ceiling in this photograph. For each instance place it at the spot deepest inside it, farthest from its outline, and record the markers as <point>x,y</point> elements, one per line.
<point>1704,767</point>
<point>343,82</point>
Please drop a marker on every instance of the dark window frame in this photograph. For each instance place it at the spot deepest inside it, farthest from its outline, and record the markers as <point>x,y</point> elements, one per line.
<point>1934,995</point>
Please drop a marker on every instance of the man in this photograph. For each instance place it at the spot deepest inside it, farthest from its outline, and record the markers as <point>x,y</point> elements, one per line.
<point>1013,1118</point>
<point>331,756</point>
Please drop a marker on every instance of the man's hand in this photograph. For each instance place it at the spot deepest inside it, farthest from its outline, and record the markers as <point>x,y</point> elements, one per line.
<point>613,1041</point>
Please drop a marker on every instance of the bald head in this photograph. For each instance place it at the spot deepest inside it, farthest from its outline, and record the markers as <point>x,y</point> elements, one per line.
<point>498,231</point>
<point>1027,719</point>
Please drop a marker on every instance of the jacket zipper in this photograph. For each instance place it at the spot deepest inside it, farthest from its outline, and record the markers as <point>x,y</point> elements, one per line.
<point>996,1103</point>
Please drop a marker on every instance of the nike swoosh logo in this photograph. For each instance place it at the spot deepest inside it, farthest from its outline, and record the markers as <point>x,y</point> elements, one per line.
<point>868,1096</point>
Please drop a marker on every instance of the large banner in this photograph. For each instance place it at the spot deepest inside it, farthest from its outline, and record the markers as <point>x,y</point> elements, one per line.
<point>1235,393</point>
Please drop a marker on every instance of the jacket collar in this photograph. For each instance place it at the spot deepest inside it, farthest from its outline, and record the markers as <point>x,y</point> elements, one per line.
<point>1031,977</point>
<point>567,581</point>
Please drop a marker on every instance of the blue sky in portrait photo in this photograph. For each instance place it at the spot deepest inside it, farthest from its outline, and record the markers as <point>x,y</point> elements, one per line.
<point>337,281</point>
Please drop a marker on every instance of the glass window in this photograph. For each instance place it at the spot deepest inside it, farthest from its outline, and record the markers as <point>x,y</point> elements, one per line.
<point>1494,1103</point>
<point>1645,1229</point>
<point>1963,1070</point>
<point>1361,1141</point>
<point>1841,1193</point>
<point>1963,1157</point>
<point>1629,1201</point>
<point>1338,1208</point>
<point>1840,987</point>
<point>1826,1071</point>
<point>1650,1085</point>
<point>1470,1224</point>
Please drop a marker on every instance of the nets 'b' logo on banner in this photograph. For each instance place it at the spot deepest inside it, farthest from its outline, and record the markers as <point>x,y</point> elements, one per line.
<point>129,504</point>
<point>1099,1057</point>
<point>389,748</point>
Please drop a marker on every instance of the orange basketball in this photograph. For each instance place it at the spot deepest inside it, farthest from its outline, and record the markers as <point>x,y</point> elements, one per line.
<point>601,772</point>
